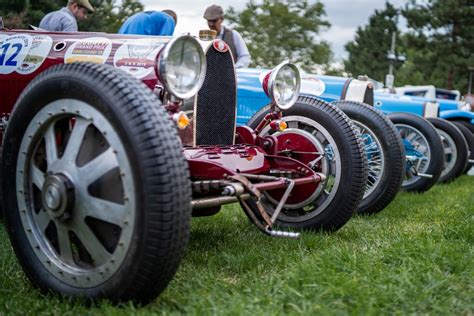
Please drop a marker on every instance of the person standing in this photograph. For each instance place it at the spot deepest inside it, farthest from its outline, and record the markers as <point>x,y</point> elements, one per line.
<point>65,20</point>
<point>150,23</point>
<point>215,16</point>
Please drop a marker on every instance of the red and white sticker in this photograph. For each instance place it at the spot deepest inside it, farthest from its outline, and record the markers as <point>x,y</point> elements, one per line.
<point>13,50</point>
<point>37,54</point>
<point>220,46</point>
<point>93,49</point>
<point>138,57</point>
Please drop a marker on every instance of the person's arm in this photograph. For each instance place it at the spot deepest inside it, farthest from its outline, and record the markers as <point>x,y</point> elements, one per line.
<point>243,55</point>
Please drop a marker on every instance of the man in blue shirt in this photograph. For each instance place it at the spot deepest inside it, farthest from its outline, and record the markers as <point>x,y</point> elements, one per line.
<point>65,20</point>
<point>150,23</point>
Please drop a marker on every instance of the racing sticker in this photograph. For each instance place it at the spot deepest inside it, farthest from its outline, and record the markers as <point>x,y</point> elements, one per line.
<point>13,50</point>
<point>39,50</point>
<point>311,84</point>
<point>92,49</point>
<point>137,57</point>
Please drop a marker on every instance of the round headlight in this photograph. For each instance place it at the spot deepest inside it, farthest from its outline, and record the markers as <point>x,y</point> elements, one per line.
<point>282,85</point>
<point>182,66</point>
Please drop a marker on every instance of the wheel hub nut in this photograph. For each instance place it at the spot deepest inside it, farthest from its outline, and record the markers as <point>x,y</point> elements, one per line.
<point>57,196</point>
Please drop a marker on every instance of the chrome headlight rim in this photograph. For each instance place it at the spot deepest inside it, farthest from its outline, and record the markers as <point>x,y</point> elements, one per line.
<point>163,69</point>
<point>272,81</point>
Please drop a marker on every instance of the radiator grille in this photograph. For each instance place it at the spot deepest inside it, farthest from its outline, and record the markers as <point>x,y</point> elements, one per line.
<point>215,112</point>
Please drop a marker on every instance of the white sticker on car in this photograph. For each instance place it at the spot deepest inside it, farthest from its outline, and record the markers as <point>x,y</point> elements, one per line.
<point>137,57</point>
<point>37,54</point>
<point>311,84</point>
<point>93,49</point>
<point>13,50</point>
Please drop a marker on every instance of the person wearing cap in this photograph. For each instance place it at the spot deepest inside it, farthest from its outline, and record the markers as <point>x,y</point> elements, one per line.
<point>215,16</point>
<point>150,23</point>
<point>65,20</point>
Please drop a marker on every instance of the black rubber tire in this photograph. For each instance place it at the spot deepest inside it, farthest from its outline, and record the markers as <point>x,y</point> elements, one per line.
<point>353,161</point>
<point>461,147</point>
<point>466,124</point>
<point>434,142</point>
<point>470,143</point>
<point>159,171</point>
<point>392,147</point>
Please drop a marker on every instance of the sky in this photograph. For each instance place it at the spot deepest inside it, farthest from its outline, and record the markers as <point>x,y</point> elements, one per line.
<point>344,15</point>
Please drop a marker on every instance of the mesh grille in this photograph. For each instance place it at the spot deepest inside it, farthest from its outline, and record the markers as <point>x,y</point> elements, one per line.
<point>216,101</point>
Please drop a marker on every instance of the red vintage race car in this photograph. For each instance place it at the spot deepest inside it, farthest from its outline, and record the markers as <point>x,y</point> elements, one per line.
<point>102,170</point>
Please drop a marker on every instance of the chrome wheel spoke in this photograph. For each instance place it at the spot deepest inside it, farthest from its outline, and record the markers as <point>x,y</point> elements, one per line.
<point>103,210</point>
<point>42,220</point>
<point>37,176</point>
<point>90,241</point>
<point>64,240</point>
<point>98,167</point>
<point>75,140</point>
<point>50,144</point>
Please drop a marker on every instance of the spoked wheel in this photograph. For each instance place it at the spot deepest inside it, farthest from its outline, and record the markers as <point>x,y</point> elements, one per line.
<point>469,136</point>
<point>423,150</point>
<point>455,147</point>
<point>96,186</point>
<point>385,155</point>
<point>338,154</point>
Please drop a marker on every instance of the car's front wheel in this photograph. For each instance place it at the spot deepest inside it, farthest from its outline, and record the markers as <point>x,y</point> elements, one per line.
<point>95,184</point>
<point>455,149</point>
<point>337,153</point>
<point>423,150</point>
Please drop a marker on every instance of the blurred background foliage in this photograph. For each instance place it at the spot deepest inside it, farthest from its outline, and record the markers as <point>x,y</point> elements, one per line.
<point>437,36</point>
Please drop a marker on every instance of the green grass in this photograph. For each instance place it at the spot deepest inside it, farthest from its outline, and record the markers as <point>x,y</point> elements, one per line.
<point>415,257</point>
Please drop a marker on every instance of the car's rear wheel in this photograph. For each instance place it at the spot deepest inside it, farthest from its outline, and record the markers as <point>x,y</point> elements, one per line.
<point>469,136</point>
<point>423,150</point>
<point>342,160</point>
<point>455,149</point>
<point>385,155</point>
<point>96,186</point>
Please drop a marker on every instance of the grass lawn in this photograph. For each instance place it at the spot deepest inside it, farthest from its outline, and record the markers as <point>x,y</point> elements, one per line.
<point>417,256</point>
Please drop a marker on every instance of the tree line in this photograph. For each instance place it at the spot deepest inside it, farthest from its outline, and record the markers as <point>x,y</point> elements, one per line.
<point>437,39</point>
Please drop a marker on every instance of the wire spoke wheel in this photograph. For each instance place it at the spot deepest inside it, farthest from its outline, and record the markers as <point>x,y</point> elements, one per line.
<point>450,152</point>
<point>375,157</point>
<point>417,150</point>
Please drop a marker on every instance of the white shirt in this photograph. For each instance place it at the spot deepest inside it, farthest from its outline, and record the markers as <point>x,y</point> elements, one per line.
<point>243,55</point>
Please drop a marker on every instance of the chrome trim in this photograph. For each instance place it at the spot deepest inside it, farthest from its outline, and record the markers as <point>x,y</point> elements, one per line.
<point>271,84</point>
<point>162,68</point>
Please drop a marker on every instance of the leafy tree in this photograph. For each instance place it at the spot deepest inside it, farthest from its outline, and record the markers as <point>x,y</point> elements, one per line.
<point>368,51</point>
<point>442,40</point>
<point>276,30</point>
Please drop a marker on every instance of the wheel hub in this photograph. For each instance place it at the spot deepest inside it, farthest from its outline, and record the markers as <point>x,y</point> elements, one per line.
<point>57,196</point>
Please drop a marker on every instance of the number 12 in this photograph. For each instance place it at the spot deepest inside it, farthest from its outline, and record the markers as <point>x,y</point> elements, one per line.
<point>10,61</point>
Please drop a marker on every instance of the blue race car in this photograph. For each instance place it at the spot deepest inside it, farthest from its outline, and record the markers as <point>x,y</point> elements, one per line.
<point>457,135</point>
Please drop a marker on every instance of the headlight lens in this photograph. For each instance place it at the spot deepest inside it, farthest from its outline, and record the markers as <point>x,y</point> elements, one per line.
<point>282,85</point>
<point>182,66</point>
